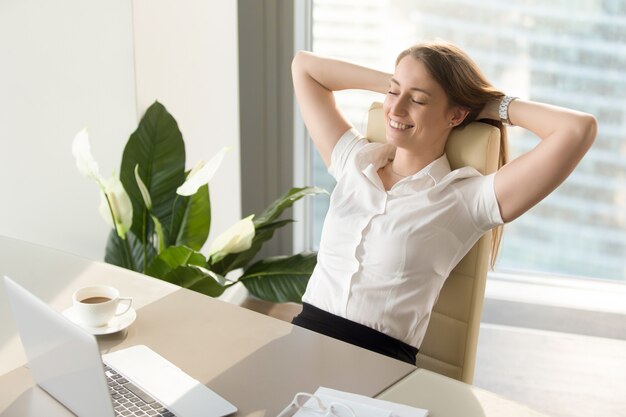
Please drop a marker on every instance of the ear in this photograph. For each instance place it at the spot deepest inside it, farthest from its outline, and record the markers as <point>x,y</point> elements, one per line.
<point>458,115</point>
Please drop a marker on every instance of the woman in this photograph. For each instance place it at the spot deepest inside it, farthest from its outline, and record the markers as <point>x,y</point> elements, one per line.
<point>399,218</point>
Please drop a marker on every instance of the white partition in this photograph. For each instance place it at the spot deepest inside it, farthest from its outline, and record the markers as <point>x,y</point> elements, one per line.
<point>186,57</point>
<point>64,65</point>
<point>76,63</point>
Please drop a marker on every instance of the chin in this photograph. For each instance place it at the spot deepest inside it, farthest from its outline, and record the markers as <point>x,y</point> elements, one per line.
<point>397,138</point>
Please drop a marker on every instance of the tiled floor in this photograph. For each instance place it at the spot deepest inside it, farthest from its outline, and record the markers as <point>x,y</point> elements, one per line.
<point>559,374</point>
<point>581,373</point>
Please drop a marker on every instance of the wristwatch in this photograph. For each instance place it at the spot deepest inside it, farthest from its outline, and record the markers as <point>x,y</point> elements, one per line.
<point>503,110</point>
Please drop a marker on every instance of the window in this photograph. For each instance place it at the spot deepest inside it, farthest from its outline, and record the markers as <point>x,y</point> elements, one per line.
<point>570,53</point>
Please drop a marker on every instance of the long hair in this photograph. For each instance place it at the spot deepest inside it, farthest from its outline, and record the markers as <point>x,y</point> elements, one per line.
<point>467,87</point>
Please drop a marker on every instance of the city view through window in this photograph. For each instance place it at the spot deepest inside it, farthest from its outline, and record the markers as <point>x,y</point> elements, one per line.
<point>570,53</point>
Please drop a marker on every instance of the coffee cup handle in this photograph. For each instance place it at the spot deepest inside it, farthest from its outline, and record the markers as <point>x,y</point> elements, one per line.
<point>129,302</point>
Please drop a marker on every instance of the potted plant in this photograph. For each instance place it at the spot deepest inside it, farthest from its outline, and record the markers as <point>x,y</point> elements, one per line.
<point>161,218</point>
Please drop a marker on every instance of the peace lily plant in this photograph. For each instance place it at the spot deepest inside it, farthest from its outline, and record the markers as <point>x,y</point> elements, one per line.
<point>161,217</point>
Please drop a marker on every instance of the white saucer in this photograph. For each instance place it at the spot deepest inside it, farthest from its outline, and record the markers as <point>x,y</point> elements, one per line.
<point>116,324</point>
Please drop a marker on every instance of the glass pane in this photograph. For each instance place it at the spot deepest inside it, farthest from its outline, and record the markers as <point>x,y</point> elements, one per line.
<point>570,53</point>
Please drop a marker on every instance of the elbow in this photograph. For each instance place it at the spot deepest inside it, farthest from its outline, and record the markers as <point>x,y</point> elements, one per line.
<point>581,131</point>
<point>297,63</point>
<point>588,129</point>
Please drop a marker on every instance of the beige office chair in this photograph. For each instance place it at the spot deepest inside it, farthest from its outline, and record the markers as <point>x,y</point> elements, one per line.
<point>449,347</point>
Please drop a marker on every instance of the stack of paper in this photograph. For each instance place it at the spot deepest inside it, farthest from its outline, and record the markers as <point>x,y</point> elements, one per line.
<point>361,405</point>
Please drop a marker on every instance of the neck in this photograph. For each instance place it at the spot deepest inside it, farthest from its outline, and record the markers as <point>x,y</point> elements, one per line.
<point>406,163</point>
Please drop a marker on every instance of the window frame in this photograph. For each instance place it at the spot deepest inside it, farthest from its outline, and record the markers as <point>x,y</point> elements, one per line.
<point>302,151</point>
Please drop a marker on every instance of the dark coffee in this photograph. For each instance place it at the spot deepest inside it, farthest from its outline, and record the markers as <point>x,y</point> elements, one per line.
<point>95,300</point>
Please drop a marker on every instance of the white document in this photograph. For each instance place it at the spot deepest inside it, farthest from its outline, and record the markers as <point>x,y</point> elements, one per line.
<point>364,406</point>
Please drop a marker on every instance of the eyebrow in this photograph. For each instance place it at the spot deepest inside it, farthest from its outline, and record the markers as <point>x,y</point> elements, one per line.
<point>393,80</point>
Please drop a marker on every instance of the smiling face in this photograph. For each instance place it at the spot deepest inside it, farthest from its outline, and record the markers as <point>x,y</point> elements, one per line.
<point>416,108</point>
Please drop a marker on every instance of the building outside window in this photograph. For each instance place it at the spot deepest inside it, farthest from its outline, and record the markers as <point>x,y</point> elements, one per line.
<point>570,53</point>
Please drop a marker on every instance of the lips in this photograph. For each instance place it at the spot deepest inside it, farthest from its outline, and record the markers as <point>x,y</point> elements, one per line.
<point>398,125</point>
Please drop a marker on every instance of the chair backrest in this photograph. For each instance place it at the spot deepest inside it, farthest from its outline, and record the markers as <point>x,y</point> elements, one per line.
<point>449,346</point>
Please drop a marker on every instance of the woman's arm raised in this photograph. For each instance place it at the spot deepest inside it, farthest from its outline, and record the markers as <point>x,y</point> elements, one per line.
<point>315,78</point>
<point>566,135</point>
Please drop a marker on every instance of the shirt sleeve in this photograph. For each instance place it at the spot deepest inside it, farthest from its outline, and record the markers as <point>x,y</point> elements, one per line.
<point>344,151</point>
<point>480,197</point>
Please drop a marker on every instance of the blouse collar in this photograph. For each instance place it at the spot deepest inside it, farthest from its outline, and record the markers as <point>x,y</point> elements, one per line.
<point>378,155</point>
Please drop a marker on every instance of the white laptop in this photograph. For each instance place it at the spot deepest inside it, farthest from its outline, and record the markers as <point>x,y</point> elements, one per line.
<point>65,361</point>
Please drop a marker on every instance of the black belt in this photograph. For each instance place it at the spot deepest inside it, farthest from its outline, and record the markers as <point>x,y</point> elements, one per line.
<point>323,322</point>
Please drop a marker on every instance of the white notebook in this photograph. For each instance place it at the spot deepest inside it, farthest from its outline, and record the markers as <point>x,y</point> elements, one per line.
<point>364,406</point>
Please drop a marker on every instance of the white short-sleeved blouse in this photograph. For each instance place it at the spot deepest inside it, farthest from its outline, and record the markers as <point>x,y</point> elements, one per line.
<point>384,255</point>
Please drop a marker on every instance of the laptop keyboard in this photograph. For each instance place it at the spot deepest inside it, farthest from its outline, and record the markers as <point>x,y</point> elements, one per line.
<point>130,400</point>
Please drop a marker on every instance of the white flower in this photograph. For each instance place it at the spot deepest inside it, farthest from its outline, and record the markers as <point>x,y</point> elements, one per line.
<point>115,205</point>
<point>237,238</point>
<point>143,189</point>
<point>85,162</point>
<point>118,211</point>
<point>201,174</point>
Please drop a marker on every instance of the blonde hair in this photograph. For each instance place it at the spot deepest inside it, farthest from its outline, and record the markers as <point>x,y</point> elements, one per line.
<point>466,87</point>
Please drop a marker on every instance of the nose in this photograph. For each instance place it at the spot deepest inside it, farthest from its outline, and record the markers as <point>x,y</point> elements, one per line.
<point>398,106</point>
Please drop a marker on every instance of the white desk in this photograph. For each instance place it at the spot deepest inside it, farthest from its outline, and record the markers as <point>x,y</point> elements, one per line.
<point>256,362</point>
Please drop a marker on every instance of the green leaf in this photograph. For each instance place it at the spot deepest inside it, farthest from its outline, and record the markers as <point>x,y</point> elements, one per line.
<point>241,259</point>
<point>172,258</point>
<point>185,267</point>
<point>285,201</point>
<point>264,230</point>
<point>127,253</point>
<point>191,221</point>
<point>157,147</point>
<point>280,279</point>
<point>211,284</point>
<point>197,279</point>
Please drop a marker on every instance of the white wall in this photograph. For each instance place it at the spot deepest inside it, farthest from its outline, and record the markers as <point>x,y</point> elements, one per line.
<point>186,58</point>
<point>66,65</point>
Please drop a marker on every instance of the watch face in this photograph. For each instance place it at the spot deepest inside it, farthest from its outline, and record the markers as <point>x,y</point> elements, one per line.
<point>503,109</point>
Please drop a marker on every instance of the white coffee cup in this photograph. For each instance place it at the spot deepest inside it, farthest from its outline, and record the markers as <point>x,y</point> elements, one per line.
<point>96,305</point>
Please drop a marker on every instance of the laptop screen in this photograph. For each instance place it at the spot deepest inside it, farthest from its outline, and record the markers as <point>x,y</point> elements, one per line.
<point>63,359</point>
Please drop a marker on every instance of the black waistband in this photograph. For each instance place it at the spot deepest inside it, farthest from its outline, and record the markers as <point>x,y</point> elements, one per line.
<point>323,322</point>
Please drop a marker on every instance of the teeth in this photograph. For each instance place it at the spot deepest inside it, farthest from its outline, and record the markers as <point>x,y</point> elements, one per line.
<point>397,125</point>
